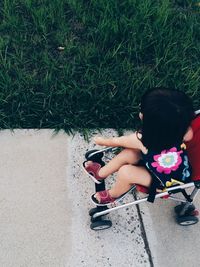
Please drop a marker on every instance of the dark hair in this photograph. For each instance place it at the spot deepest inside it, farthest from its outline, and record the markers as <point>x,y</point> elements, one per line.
<point>167,115</point>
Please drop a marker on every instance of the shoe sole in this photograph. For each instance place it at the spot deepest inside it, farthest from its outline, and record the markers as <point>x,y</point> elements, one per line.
<point>91,176</point>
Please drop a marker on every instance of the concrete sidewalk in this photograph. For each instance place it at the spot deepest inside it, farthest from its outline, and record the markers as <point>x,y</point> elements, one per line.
<point>44,204</point>
<point>34,203</point>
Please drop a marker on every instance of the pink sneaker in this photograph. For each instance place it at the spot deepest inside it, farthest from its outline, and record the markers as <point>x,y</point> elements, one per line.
<point>92,170</point>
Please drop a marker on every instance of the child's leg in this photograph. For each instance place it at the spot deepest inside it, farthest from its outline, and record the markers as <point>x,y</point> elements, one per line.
<point>126,156</point>
<point>127,176</point>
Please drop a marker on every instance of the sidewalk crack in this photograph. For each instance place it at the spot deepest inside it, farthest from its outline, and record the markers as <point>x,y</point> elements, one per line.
<point>143,233</point>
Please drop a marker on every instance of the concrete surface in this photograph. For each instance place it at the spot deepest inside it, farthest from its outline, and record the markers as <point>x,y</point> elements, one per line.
<point>121,245</point>
<point>171,244</point>
<point>44,204</point>
<point>34,204</point>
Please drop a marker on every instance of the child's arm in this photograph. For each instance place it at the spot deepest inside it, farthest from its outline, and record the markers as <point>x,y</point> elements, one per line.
<point>129,141</point>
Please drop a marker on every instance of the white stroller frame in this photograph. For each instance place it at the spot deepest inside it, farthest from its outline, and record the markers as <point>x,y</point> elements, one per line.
<point>186,214</point>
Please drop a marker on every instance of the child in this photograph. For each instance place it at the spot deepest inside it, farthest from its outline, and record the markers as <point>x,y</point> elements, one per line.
<point>166,116</point>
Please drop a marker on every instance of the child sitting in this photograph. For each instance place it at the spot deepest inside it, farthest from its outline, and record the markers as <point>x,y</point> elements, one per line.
<point>166,116</point>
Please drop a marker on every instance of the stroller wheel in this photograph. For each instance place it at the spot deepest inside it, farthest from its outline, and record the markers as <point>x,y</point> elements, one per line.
<point>180,207</point>
<point>187,220</point>
<point>97,209</point>
<point>101,225</point>
<point>96,157</point>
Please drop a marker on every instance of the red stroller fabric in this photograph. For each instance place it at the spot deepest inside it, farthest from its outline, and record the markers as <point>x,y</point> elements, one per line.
<point>193,148</point>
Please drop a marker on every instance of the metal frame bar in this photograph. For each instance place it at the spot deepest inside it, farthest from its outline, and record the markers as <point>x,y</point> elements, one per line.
<point>107,149</point>
<point>160,195</point>
<point>177,199</point>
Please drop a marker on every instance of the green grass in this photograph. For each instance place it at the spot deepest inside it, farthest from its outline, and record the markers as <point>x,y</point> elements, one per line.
<point>113,51</point>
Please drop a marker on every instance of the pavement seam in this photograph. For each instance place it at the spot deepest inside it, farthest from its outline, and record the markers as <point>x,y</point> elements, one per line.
<point>143,233</point>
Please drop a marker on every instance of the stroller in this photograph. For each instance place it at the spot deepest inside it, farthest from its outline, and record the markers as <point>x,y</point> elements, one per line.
<point>186,213</point>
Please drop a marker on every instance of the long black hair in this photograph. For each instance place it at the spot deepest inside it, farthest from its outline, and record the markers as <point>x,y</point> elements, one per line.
<point>167,115</point>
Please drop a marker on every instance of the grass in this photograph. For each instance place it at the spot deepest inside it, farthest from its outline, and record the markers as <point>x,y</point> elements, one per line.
<point>78,64</point>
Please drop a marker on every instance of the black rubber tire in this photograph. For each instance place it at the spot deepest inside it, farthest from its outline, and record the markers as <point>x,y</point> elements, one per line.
<point>101,225</point>
<point>97,209</point>
<point>179,208</point>
<point>187,220</point>
<point>92,211</point>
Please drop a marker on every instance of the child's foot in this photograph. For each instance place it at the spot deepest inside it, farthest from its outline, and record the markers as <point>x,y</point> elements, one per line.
<point>92,169</point>
<point>102,198</point>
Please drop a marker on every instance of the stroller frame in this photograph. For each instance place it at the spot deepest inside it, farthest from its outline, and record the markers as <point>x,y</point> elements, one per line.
<point>186,214</point>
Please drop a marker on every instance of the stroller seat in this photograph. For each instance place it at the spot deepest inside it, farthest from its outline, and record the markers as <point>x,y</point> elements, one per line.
<point>193,148</point>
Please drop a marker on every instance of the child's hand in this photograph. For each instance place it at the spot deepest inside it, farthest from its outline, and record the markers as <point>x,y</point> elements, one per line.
<point>99,141</point>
